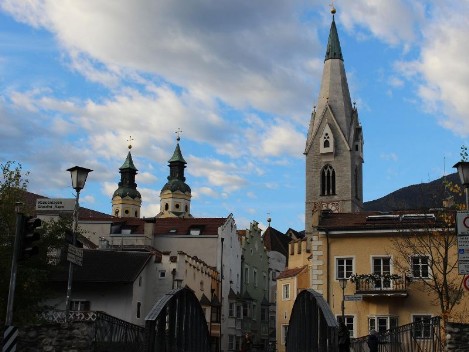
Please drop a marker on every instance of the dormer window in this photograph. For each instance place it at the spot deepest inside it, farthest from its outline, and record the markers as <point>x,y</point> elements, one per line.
<point>327,141</point>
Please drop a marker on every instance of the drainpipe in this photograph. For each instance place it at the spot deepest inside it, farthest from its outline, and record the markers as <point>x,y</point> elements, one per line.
<point>327,267</point>
<point>221,290</point>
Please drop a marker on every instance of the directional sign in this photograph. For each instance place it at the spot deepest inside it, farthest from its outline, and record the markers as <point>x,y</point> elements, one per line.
<point>75,255</point>
<point>353,298</point>
<point>463,267</point>
<point>57,204</point>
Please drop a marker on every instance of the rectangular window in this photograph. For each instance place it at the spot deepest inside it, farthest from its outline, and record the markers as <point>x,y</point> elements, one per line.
<point>254,277</point>
<point>266,282</point>
<point>420,266</point>
<point>246,310</point>
<point>422,328</point>
<point>286,292</point>
<point>162,274</point>
<point>344,268</point>
<point>382,267</point>
<point>238,343</point>
<point>231,310</point>
<point>246,274</point>
<point>139,308</point>
<point>238,311</point>
<point>215,316</point>
<point>254,311</point>
<point>382,323</point>
<point>284,333</point>
<point>80,305</point>
<point>231,342</point>
<point>349,322</point>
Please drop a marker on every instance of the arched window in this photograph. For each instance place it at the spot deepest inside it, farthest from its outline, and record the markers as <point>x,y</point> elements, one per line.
<point>327,141</point>
<point>166,206</point>
<point>327,181</point>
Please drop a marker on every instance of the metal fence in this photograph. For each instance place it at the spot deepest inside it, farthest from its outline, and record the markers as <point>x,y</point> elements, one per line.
<point>422,336</point>
<point>176,323</point>
<point>110,333</point>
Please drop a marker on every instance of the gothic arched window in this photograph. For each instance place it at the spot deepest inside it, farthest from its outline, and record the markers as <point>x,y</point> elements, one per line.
<point>327,141</point>
<point>327,180</point>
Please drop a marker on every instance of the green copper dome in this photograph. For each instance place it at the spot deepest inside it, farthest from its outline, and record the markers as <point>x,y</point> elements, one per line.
<point>333,44</point>
<point>176,185</point>
<point>127,191</point>
<point>128,163</point>
<point>177,155</point>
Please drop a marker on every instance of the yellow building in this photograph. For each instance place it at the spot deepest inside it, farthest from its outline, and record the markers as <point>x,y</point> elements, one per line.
<point>294,279</point>
<point>385,285</point>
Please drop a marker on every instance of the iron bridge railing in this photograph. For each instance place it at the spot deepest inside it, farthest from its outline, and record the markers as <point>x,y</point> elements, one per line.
<point>110,333</point>
<point>312,325</point>
<point>420,336</point>
<point>177,323</point>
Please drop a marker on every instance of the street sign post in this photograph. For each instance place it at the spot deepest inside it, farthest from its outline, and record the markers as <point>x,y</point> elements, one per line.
<point>75,255</point>
<point>353,298</point>
<point>55,204</point>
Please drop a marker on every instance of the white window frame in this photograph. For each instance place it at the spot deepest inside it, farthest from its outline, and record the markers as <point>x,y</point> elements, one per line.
<point>346,265</point>
<point>231,342</point>
<point>284,333</point>
<point>420,265</point>
<point>349,322</point>
<point>232,310</point>
<point>423,335</point>
<point>286,296</point>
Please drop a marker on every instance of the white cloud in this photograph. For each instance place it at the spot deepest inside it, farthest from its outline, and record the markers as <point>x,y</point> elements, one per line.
<point>389,156</point>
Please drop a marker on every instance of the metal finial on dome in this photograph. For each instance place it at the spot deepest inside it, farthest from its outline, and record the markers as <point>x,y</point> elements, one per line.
<point>268,219</point>
<point>130,142</point>
<point>179,131</point>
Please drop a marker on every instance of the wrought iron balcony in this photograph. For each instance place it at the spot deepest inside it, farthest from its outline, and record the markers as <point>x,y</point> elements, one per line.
<point>370,285</point>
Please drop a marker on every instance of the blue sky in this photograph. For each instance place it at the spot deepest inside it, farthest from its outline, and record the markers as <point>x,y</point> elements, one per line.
<point>240,79</point>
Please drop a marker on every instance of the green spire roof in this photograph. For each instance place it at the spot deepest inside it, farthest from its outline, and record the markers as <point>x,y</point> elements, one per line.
<point>128,163</point>
<point>333,45</point>
<point>177,155</point>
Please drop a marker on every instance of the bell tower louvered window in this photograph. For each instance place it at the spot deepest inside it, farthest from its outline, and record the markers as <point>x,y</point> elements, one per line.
<point>327,181</point>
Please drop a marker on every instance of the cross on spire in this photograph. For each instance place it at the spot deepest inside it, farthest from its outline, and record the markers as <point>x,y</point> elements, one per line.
<point>178,132</point>
<point>130,142</point>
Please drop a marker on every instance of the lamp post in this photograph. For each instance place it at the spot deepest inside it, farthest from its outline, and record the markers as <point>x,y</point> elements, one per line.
<point>463,171</point>
<point>343,285</point>
<point>78,175</point>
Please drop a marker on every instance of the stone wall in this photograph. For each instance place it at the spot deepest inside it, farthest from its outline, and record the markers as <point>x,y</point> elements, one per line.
<point>457,337</point>
<point>56,337</point>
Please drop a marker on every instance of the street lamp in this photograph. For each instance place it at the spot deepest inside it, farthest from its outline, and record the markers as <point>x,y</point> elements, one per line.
<point>463,171</point>
<point>79,175</point>
<point>343,285</point>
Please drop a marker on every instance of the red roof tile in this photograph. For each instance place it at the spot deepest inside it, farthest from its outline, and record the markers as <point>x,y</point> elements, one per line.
<point>182,226</point>
<point>290,272</point>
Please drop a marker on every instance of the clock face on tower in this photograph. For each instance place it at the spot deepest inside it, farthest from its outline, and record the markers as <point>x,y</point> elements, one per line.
<point>333,206</point>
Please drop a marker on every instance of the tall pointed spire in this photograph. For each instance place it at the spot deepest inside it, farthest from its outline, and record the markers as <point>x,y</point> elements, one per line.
<point>333,44</point>
<point>334,145</point>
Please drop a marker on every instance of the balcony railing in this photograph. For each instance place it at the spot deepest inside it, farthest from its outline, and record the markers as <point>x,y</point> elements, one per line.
<point>380,285</point>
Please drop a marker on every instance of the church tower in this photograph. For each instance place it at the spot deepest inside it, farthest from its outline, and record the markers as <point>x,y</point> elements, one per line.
<point>334,145</point>
<point>175,196</point>
<point>126,200</point>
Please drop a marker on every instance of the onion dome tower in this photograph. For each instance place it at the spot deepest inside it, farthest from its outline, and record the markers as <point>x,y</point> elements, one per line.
<point>175,196</point>
<point>126,200</point>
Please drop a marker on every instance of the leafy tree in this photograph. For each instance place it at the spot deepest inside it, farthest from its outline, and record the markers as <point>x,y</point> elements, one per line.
<point>33,273</point>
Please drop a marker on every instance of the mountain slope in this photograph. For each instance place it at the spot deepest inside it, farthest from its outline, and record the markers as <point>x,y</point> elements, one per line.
<point>420,196</point>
